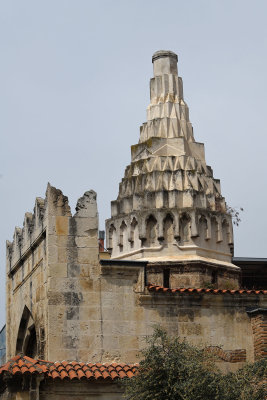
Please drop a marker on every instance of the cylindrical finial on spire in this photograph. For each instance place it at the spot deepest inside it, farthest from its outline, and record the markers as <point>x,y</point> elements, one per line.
<point>165,62</point>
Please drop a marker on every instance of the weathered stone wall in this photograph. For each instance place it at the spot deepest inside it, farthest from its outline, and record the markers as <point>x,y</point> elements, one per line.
<point>78,390</point>
<point>259,329</point>
<point>85,311</point>
<point>50,268</point>
<point>130,313</point>
<point>66,390</point>
<point>73,282</point>
<point>190,274</point>
<point>26,279</point>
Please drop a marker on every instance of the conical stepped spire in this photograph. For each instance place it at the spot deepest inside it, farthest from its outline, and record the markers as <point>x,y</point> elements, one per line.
<point>169,205</point>
<point>167,114</point>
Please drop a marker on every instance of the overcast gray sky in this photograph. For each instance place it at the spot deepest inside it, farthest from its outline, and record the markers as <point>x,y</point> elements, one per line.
<point>74,87</point>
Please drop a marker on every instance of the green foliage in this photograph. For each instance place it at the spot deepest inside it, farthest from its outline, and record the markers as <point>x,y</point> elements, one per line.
<point>208,285</point>
<point>172,369</point>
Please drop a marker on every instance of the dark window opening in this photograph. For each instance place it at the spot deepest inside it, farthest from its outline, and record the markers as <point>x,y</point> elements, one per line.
<point>26,339</point>
<point>31,346</point>
<point>166,278</point>
<point>214,277</point>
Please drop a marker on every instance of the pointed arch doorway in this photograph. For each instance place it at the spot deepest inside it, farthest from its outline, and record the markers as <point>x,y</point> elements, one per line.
<point>26,339</point>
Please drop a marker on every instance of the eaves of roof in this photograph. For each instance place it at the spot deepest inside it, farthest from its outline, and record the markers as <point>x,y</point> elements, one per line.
<point>161,289</point>
<point>66,370</point>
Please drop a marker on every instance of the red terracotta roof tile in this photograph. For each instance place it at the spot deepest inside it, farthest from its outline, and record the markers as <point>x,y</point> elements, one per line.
<point>80,374</point>
<point>89,374</point>
<point>154,288</point>
<point>54,374</point>
<point>67,370</point>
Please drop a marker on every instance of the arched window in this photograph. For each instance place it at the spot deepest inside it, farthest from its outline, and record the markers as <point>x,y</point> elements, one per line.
<point>226,232</point>
<point>26,339</point>
<point>111,231</point>
<point>133,232</point>
<point>151,231</point>
<point>215,230</point>
<point>185,228</point>
<point>168,229</point>
<point>123,229</point>
<point>203,228</point>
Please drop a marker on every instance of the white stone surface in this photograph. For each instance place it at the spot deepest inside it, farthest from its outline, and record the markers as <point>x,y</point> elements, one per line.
<point>169,204</point>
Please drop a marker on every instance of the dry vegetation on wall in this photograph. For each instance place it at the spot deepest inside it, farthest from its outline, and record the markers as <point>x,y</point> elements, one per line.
<point>235,214</point>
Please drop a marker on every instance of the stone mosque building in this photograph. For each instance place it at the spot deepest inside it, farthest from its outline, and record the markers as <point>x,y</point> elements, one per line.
<point>77,314</point>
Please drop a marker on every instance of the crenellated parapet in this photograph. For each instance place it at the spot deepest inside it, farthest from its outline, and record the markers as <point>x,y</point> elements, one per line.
<point>23,238</point>
<point>169,203</point>
<point>50,267</point>
<point>35,224</point>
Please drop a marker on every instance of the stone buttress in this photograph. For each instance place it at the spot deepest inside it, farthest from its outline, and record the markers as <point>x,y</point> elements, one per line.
<point>169,207</point>
<point>52,273</point>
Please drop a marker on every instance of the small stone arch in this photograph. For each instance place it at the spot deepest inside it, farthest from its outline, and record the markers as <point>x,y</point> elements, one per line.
<point>26,339</point>
<point>214,229</point>
<point>185,224</point>
<point>151,230</point>
<point>123,232</point>
<point>168,231</point>
<point>226,232</point>
<point>203,227</point>
<point>111,232</point>
<point>133,229</point>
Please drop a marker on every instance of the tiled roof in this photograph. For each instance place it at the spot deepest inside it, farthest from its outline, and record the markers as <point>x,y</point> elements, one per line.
<point>67,370</point>
<point>154,288</point>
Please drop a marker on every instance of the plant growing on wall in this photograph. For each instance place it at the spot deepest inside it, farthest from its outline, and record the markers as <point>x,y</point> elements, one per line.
<point>235,214</point>
<point>172,369</point>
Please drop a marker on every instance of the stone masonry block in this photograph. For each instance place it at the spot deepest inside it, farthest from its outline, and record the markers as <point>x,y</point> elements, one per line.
<point>111,342</point>
<point>63,241</point>
<point>58,270</point>
<point>62,225</point>
<point>89,314</point>
<point>86,205</point>
<point>52,255</point>
<point>88,242</point>
<point>85,225</point>
<point>57,313</point>
<point>62,285</point>
<point>62,255</point>
<point>87,285</point>
<point>129,342</point>
<point>88,256</point>
<point>72,313</point>
<point>73,270</point>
